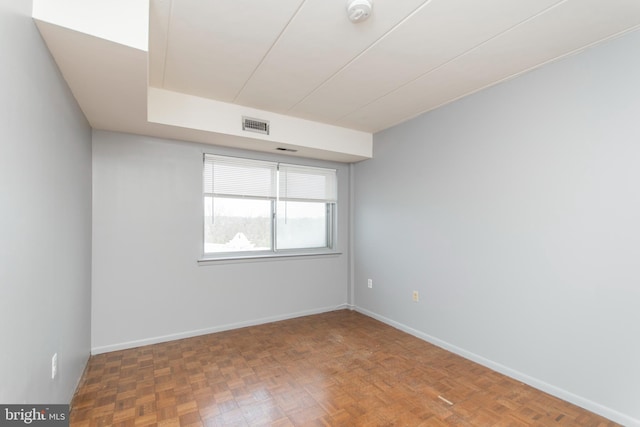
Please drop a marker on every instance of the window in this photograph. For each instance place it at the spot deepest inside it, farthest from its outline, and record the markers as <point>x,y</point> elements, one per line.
<point>254,207</point>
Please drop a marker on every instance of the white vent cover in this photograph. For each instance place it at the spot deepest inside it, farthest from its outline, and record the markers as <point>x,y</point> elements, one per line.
<point>255,125</point>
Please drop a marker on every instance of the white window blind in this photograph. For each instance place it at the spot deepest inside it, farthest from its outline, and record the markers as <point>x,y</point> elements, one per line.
<point>304,183</point>
<point>235,177</point>
<point>253,206</point>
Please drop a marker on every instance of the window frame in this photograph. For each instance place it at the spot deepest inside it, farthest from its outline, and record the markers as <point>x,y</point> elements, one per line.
<point>331,217</point>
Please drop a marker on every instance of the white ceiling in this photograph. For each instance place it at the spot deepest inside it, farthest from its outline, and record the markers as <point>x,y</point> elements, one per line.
<point>325,83</point>
<point>306,59</point>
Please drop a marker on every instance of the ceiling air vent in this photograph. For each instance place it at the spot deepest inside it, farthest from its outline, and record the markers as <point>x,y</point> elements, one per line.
<point>255,125</point>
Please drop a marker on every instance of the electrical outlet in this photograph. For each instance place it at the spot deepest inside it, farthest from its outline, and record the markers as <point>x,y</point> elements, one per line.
<point>416,296</point>
<point>54,366</point>
<point>370,283</point>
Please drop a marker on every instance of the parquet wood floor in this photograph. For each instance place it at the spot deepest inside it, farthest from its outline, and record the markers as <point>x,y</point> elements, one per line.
<point>334,369</point>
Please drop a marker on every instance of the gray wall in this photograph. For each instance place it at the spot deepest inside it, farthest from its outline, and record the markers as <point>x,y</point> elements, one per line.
<point>516,214</point>
<point>45,219</point>
<point>147,237</point>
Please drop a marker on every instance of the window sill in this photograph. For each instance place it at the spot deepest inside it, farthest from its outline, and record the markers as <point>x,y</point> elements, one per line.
<point>232,259</point>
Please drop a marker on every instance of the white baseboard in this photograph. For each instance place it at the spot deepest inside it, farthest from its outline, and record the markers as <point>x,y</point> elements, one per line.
<point>587,404</point>
<point>211,330</point>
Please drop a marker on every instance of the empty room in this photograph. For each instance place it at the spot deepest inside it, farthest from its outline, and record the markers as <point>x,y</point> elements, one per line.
<point>320,212</point>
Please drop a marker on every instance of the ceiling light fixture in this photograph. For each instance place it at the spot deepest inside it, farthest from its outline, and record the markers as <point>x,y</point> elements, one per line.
<point>359,10</point>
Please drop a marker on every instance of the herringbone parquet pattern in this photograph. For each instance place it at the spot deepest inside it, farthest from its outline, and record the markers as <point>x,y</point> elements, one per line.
<point>333,369</point>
